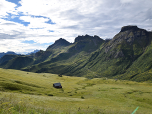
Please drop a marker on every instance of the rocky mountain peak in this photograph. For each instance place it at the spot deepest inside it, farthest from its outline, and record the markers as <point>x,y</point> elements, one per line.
<point>58,43</point>
<point>87,37</point>
<point>61,42</point>
<point>129,27</point>
<point>129,42</point>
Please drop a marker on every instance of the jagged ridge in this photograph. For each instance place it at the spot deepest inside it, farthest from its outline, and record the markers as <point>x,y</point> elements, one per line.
<point>91,56</point>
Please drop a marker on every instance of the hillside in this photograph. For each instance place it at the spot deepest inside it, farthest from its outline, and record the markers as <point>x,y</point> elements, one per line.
<point>58,44</point>
<point>17,62</point>
<point>6,58</point>
<point>63,59</point>
<point>110,59</point>
<point>129,49</point>
<point>126,56</point>
<point>28,93</point>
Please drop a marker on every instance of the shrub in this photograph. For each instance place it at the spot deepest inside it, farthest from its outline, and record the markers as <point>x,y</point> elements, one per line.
<point>50,94</point>
<point>82,97</point>
<point>60,75</point>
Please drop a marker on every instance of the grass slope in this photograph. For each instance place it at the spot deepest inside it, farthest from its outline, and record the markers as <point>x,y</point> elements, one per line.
<point>141,69</point>
<point>6,58</point>
<point>18,62</point>
<point>126,56</point>
<point>24,92</point>
<point>68,60</point>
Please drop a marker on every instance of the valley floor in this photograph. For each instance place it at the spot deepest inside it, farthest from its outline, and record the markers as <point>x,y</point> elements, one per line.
<point>33,93</point>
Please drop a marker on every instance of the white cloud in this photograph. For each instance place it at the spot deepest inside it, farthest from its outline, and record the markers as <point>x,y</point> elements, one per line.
<point>19,46</point>
<point>71,17</point>
<point>126,1</point>
<point>6,7</point>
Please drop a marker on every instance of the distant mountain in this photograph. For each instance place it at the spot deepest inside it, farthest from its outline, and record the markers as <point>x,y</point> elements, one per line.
<point>2,54</point>
<point>58,44</point>
<point>33,52</point>
<point>67,54</point>
<point>127,56</point>
<point>17,63</point>
<point>8,53</point>
<point>6,58</point>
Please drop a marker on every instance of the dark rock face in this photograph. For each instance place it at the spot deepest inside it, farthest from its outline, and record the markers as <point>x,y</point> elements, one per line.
<point>86,43</point>
<point>81,38</point>
<point>119,54</point>
<point>131,34</point>
<point>62,41</point>
<point>129,40</point>
<point>87,37</point>
<point>129,27</point>
<point>59,43</point>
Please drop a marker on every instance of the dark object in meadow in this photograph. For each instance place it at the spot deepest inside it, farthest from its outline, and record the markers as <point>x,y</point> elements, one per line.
<point>60,75</point>
<point>57,85</point>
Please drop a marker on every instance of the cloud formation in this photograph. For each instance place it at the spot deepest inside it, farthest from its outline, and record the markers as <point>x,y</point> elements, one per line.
<point>44,21</point>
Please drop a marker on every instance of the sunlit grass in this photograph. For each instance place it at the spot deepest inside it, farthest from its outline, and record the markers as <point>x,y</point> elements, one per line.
<point>26,92</point>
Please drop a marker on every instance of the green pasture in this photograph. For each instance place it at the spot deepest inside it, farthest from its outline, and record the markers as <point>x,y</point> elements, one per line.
<point>33,93</point>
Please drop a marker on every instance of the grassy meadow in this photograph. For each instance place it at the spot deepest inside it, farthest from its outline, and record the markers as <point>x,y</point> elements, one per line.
<point>33,93</point>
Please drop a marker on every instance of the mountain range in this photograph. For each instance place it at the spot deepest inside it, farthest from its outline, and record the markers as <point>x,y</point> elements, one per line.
<point>127,56</point>
<point>8,53</point>
<point>33,52</point>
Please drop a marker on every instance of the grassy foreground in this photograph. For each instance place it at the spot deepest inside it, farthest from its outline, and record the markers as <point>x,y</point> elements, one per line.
<point>33,93</point>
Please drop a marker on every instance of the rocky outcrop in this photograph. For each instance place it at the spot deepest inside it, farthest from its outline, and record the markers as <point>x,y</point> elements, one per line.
<point>128,40</point>
<point>94,38</point>
<point>86,43</point>
<point>59,43</point>
<point>129,27</point>
<point>119,54</point>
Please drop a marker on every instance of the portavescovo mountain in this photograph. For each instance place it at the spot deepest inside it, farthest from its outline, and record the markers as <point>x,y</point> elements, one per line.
<point>126,56</point>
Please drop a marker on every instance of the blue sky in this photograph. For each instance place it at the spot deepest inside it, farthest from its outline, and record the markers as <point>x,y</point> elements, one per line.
<point>15,1</point>
<point>27,25</point>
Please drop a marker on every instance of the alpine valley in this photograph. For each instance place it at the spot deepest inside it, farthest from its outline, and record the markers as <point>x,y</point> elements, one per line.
<point>127,56</point>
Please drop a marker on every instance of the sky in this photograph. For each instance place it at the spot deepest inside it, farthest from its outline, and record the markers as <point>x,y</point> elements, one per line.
<point>27,25</point>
